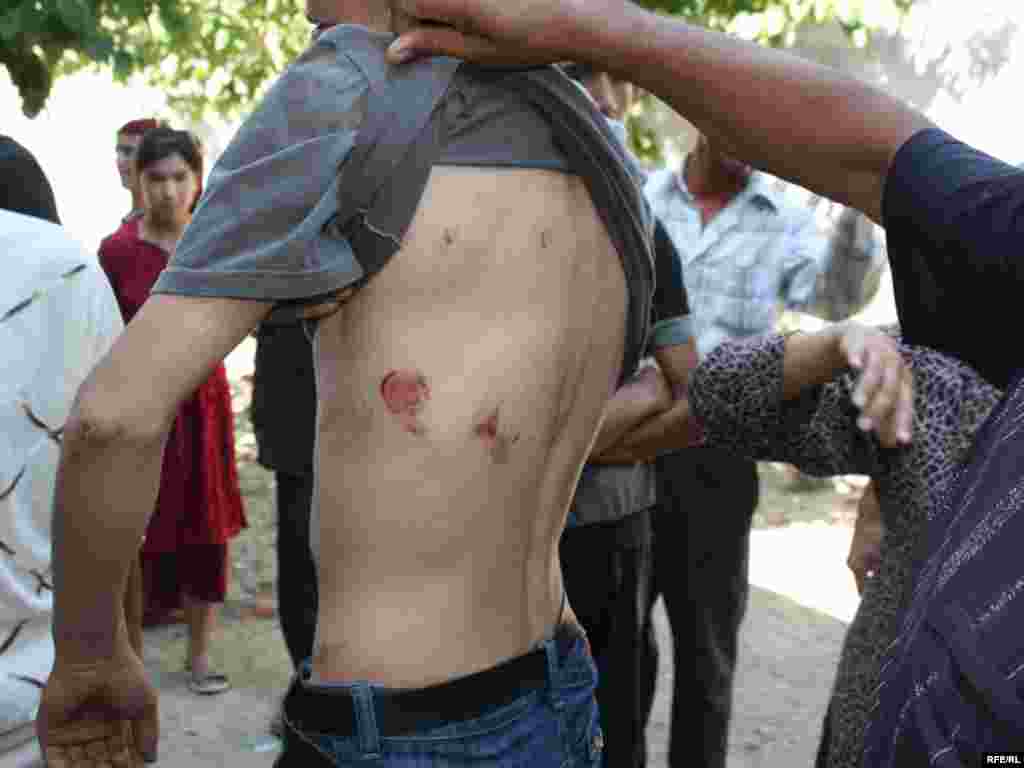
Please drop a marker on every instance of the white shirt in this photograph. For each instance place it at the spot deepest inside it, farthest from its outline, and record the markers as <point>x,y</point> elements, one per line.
<point>757,252</point>
<point>58,317</point>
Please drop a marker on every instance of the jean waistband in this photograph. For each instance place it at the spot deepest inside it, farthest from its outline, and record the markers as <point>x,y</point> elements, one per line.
<point>334,709</point>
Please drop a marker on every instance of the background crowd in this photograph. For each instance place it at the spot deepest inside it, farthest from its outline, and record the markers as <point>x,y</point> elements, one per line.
<point>739,249</point>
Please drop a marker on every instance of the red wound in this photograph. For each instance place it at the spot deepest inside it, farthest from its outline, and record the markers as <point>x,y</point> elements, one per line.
<point>403,393</point>
<point>489,427</point>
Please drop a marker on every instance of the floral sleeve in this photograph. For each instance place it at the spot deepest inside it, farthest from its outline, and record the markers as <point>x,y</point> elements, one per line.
<point>736,392</point>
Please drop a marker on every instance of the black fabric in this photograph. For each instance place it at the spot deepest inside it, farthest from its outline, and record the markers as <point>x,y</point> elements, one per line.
<point>670,297</point>
<point>331,710</point>
<point>412,117</point>
<point>24,187</point>
<point>297,592</point>
<point>707,499</point>
<point>954,221</point>
<point>283,407</point>
<point>821,759</point>
<point>606,569</point>
<point>283,415</point>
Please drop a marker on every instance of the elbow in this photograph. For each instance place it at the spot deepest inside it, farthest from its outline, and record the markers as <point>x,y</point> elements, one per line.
<point>97,418</point>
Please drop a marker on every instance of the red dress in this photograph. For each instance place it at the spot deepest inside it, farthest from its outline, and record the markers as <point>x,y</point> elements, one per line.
<point>199,503</point>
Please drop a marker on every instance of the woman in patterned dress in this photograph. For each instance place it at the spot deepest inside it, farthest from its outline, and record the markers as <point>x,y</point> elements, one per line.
<point>199,506</point>
<point>797,398</point>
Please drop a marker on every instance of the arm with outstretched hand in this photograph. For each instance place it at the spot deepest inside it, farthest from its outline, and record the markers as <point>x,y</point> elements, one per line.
<point>822,129</point>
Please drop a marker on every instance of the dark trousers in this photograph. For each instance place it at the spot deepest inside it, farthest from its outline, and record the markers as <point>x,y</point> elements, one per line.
<point>606,569</point>
<point>701,532</point>
<point>296,572</point>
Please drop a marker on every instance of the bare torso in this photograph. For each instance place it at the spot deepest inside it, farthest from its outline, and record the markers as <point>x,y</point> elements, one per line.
<point>437,526</point>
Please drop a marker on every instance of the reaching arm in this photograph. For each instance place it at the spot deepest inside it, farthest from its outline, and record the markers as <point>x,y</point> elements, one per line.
<point>824,130</point>
<point>109,470</point>
<point>796,399</point>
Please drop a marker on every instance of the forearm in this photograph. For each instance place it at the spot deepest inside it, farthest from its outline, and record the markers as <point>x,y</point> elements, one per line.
<point>810,360</point>
<point>670,430</point>
<point>633,404</point>
<point>824,130</point>
<point>106,487</point>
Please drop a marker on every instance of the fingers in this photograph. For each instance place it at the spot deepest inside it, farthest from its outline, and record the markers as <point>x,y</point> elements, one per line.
<point>93,743</point>
<point>447,41</point>
<point>884,390</point>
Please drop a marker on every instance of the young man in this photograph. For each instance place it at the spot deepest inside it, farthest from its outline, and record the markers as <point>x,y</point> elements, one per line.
<point>459,388</point>
<point>951,688</point>
<point>129,136</point>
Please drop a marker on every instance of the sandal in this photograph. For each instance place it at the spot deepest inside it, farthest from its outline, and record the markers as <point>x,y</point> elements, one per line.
<point>209,684</point>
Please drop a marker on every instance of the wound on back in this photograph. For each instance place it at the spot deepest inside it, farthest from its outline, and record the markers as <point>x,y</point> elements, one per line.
<point>498,442</point>
<point>404,393</point>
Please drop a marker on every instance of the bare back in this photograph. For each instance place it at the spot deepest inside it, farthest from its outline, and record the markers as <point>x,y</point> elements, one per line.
<point>459,393</point>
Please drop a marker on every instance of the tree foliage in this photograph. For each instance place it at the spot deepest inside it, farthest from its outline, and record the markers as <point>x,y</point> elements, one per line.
<point>217,55</point>
<point>206,55</point>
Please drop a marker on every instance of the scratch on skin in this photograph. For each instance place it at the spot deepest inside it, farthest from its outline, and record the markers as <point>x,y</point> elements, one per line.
<point>405,394</point>
<point>14,483</point>
<point>545,238</point>
<point>497,442</point>
<point>54,434</point>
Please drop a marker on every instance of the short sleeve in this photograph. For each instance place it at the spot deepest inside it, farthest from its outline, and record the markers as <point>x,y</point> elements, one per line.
<point>671,323</point>
<point>259,231</point>
<point>954,220</point>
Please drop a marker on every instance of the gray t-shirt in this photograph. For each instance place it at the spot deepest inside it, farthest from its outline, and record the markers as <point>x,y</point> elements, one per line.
<point>263,229</point>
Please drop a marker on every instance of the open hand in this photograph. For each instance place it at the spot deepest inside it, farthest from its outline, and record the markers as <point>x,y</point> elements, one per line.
<point>884,392</point>
<point>102,714</point>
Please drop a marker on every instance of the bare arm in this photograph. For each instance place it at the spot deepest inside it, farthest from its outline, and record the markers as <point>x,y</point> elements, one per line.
<point>109,470</point>
<point>673,427</point>
<point>884,389</point>
<point>640,399</point>
<point>824,130</point>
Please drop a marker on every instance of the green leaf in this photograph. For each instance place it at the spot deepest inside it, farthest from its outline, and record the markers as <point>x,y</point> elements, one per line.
<point>76,15</point>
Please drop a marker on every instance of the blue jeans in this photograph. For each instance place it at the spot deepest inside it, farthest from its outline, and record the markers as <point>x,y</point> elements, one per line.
<point>536,711</point>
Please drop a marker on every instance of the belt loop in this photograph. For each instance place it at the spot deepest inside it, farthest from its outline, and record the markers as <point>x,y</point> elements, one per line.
<point>554,665</point>
<point>367,731</point>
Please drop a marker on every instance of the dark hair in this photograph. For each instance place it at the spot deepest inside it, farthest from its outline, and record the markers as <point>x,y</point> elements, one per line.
<point>140,127</point>
<point>163,142</point>
<point>24,187</point>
